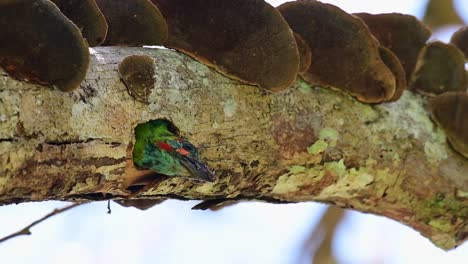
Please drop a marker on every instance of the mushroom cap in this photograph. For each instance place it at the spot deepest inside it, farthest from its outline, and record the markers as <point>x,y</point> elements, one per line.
<point>41,45</point>
<point>137,72</point>
<point>460,40</point>
<point>345,53</point>
<point>450,111</point>
<point>404,35</point>
<point>86,16</point>
<point>304,53</point>
<point>133,23</point>
<point>440,68</point>
<point>245,39</point>
<point>393,63</point>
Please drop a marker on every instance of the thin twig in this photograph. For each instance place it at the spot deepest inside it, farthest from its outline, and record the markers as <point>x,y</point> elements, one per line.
<point>26,230</point>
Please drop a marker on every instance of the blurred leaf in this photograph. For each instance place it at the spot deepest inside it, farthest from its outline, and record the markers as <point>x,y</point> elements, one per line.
<point>440,13</point>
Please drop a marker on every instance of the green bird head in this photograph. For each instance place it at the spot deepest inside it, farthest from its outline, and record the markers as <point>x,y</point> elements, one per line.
<point>159,148</point>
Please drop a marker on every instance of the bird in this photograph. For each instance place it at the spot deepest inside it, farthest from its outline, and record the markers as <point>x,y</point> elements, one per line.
<point>159,148</point>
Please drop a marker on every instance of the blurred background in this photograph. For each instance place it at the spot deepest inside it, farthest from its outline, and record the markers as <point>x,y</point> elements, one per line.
<point>247,232</point>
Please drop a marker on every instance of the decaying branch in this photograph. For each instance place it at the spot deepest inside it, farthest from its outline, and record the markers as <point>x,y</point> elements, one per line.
<point>302,144</point>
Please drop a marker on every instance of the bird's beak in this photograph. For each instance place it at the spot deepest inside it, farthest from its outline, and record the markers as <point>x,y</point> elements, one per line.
<point>198,169</point>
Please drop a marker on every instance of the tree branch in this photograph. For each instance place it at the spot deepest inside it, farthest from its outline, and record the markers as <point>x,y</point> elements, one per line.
<point>27,230</point>
<point>303,144</point>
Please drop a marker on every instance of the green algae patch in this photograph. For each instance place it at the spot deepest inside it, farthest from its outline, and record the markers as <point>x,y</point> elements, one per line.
<point>360,177</point>
<point>351,181</point>
<point>318,147</point>
<point>303,86</point>
<point>297,178</point>
<point>327,138</point>
<point>367,113</point>
<point>336,167</point>
<point>290,183</point>
<point>441,224</point>
<point>441,205</point>
<point>339,179</point>
<point>296,169</point>
<point>329,134</point>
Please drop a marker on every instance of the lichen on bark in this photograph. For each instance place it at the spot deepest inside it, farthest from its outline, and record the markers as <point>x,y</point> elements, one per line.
<point>303,144</point>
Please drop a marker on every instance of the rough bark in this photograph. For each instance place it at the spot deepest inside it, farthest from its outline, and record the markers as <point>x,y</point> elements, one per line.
<point>304,144</point>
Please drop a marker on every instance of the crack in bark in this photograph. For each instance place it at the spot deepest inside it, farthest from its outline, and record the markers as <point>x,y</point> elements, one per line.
<point>85,141</point>
<point>97,162</point>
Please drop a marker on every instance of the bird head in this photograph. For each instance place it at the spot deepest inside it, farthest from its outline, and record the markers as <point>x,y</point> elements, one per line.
<point>158,147</point>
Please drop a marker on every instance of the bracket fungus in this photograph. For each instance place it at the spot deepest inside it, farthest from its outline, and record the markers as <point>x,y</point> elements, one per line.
<point>137,72</point>
<point>345,54</point>
<point>133,23</point>
<point>440,68</point>
<point>404,35</point>
<point>304,53</point>
<point>39,44</point>
<point>460,40</point>
<point>86,16</point>
<point>244,39</point>
<point>142,204</point>
<point>450,111</point>
<point>394,64</point>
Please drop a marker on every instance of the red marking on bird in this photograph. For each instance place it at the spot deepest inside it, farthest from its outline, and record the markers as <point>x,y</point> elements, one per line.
<point>183,152</point>
<point>164,146</point>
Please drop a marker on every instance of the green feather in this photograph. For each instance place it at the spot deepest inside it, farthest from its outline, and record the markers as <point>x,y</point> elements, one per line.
<point>149,133</point>
<point>148,155</point>
<point>162,162</point>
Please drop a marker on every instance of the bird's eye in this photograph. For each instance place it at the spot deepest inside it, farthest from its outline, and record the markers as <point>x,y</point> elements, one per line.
<point>189,147</point>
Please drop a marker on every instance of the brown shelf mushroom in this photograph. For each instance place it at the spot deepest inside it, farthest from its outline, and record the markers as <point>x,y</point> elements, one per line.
<point>304,53</point>
<point>137,72</point>
<point>460,40</point>
<point>39,44</point>
<point>133,23</point>
<point>393,63</point>
<point>245,39</point>
<point>440,68</point>
<point>86,16</point>
<point>450,111</point>
<point>403,34</point>
<point>345,54</point>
